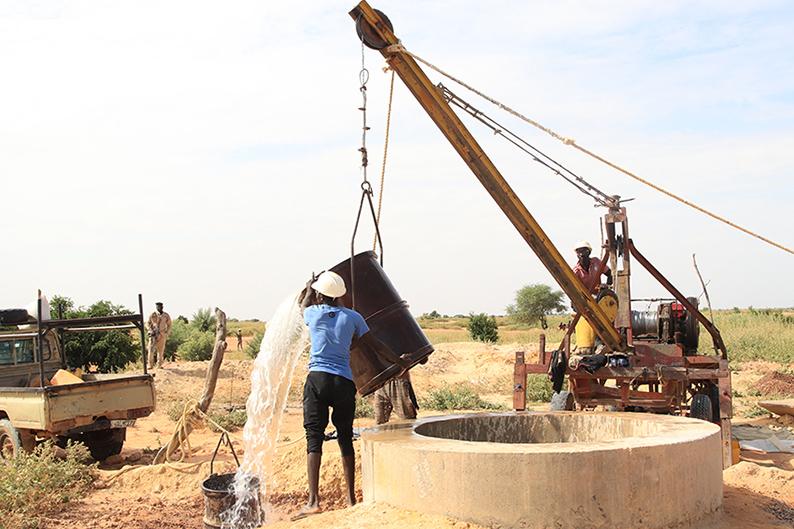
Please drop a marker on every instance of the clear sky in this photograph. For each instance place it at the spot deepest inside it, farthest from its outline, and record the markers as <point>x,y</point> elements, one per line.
<point>205,153</point>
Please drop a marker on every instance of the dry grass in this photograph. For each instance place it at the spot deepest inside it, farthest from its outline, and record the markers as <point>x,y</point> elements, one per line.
<point>248,327</point>
<point>750,334</point>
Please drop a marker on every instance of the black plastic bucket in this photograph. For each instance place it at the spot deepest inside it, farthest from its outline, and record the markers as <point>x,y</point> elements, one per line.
<point>219,498</point>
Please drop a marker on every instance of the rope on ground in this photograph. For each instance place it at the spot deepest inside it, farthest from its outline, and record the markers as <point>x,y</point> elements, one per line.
<point>192,417</point>
<point>385,153</point>
<point>571,142</point>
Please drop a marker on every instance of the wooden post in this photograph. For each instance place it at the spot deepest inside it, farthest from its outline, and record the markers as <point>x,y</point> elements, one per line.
<point>185,426</point>
<point>520,383</point>
<point>215,363</point>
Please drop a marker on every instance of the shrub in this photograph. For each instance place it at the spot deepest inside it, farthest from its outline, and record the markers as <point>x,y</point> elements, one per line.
<point>364,407</point>
<point>109,351</point>
<point>539,388</point>
<point>180,332</point>
<point>175,410</point>
<point>534,302</point>
<point>231,420</point>
<point>457,397</point>
<point>38,483</point>
<point>755,411</point>
<point>252,348</point>
<point>482,328</point>
<point>197,347</point>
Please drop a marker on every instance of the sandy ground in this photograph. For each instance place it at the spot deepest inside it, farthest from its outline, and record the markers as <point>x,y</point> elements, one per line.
<point>759,491</point>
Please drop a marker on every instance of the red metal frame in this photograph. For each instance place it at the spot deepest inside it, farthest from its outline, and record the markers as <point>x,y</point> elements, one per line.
<point>661,377</point>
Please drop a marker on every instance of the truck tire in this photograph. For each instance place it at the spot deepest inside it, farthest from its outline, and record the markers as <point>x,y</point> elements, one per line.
<point>102,443</point>
<point>701,407</point>
<point>714,395</point>
<point>10,440</point>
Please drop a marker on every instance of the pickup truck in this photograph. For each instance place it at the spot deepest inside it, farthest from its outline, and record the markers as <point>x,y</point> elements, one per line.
<point>95,408</point>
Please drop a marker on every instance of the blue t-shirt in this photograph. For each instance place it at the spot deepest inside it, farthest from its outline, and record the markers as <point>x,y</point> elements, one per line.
<point>332,330</point>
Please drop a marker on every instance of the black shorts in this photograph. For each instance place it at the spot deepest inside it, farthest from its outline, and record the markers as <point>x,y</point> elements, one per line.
<point>320,392</point>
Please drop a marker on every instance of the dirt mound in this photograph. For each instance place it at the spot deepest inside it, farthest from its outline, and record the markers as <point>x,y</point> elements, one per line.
<point>288,489</point>
<point>768,481</point>
<point>174,481</point>
<point>776,383</point>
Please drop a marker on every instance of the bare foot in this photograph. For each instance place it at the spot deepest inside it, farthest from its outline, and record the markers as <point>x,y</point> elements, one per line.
<point>307,510</point>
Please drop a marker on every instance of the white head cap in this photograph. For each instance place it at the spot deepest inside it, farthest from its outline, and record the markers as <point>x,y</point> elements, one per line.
<point>583,244</point>
<point>330,284</point>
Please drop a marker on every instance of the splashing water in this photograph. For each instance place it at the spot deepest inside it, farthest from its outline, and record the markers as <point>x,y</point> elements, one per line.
<point>284,340</point>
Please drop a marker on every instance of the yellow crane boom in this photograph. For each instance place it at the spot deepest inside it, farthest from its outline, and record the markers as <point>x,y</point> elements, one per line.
<point>378,30</point>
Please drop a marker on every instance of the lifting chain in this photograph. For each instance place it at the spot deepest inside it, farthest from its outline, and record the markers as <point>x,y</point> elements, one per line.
<point>366,186</point>
<point>363,77</point>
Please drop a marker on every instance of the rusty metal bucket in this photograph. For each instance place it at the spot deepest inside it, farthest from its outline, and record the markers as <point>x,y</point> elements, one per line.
<point>388,318</point>
<point>219,495</point>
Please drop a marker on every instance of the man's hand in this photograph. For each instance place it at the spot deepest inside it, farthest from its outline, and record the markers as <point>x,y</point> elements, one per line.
<point>405,361</point>
<point>308,292</point>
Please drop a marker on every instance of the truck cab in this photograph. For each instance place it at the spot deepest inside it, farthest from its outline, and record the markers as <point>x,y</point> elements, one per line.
<point>40,399</point>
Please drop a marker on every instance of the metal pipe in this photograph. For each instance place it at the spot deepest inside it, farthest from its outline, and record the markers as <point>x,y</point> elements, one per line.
<point>143,334</point>
<point>39,337</point>
<point>102,328</point>
<point>60,337</point>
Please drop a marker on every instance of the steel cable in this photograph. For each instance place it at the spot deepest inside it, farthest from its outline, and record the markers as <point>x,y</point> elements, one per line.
<point>399,48</point>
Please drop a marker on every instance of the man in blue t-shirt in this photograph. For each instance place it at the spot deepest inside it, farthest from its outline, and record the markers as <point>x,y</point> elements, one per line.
<point>329,383</point>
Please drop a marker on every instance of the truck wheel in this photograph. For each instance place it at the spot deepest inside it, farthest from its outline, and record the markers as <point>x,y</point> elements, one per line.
<point>104,443</point>
<point>10,440</point>
<point>701,407</point>
<point>714,395</point>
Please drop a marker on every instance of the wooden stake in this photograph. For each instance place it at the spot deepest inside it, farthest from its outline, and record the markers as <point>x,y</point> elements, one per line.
<point>179,439</point>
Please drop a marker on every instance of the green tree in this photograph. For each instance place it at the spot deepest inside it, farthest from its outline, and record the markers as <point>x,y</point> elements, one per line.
<point>252,348</point>
<point>534,302</point>
<point>109,351</point>
<point>483,328</point>
<point>203,320</point>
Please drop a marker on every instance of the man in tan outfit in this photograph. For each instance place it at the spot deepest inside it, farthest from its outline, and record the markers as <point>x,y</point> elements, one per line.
<point>159,327</point>
<point>396,395</point>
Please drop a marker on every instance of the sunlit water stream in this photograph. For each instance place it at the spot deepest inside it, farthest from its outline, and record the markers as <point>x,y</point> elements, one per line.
<point>285,338</point>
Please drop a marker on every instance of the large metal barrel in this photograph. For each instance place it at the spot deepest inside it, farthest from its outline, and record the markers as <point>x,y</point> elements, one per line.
<point>388,318</point>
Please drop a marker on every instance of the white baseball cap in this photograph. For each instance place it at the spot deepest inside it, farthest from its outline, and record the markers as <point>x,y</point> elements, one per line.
<point>330,284</point>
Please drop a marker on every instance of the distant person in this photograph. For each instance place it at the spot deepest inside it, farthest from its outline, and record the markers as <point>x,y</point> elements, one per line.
<point>587,267</point>
<point>329,383</point>
<point>239,335</point>
<point>396,395</point>
<point>159,328</point>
